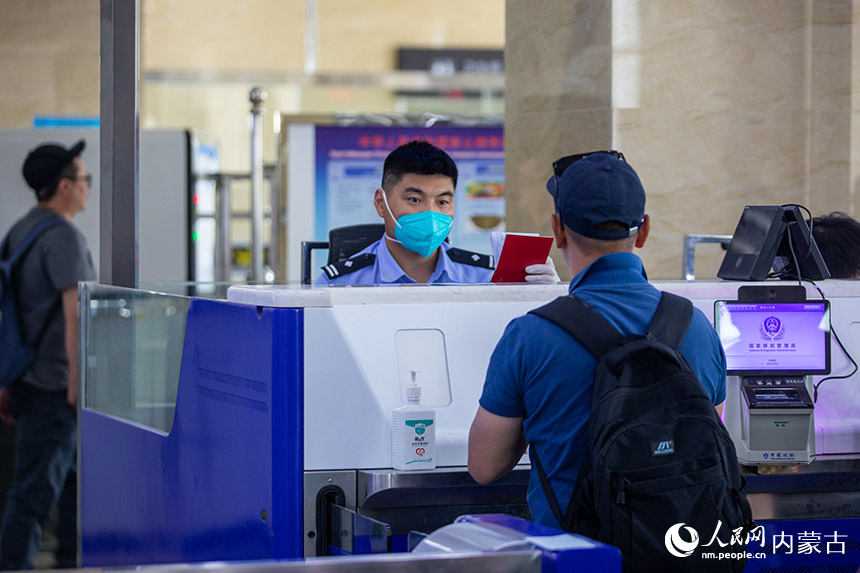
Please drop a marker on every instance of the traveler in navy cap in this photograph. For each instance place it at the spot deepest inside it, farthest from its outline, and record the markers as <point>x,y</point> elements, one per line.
<point>42,402</point>
<point>539,382</point>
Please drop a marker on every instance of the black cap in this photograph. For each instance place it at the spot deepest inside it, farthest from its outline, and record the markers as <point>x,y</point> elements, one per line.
<point>45,163</point>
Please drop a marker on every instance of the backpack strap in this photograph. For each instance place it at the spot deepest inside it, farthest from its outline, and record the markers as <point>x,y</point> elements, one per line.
<point>547,490</point>
<point>671,319</point>
<point>583,323</point>
<point>28,241</point>
<point>596,335</point>
<point>22,249</point>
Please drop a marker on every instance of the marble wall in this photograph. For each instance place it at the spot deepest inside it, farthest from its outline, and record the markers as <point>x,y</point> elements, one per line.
<point>269,35</point>
<point>49,59</point>
<point>716,104</point>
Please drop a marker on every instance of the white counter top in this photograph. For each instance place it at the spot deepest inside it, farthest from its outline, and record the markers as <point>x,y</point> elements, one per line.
<point>284,296</point>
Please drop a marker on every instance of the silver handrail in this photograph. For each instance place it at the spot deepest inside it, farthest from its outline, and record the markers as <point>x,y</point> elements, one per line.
<point>689,255</point>
<point>257,97</point>
<point>224,217</point>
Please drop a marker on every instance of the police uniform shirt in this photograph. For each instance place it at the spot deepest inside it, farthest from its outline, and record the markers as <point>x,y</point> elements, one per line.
<point>376,265</point>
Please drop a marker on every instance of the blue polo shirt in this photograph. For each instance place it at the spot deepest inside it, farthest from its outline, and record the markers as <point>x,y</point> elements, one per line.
<point>385,270</point>
<point>540,373</point>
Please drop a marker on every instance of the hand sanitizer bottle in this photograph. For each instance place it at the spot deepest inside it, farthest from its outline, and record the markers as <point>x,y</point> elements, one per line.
<point>413,432</point>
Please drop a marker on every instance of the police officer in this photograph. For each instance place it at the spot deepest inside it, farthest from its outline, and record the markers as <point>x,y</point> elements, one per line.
<point>417,204</point>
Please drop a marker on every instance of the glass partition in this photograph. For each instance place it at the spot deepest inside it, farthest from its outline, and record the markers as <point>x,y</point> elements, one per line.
<point>212,290</point>
<point>350,533</point>
<point>130,351</point>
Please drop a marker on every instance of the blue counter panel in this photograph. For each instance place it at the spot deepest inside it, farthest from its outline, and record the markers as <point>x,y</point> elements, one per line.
<point>226,483</point>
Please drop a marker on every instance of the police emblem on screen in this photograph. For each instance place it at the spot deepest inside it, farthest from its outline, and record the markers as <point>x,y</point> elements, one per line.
<point>772,328</point>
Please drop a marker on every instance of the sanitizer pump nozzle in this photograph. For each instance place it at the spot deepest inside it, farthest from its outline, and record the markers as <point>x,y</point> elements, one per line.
<point>413,391</point>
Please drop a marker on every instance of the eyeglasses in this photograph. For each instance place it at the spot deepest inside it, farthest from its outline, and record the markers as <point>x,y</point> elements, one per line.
<point>88,177</point>
<point>559,165</point>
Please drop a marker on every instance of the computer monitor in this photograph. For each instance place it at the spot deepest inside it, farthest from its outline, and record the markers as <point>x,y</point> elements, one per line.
<point>772,236</point>
<point>776,338</point>
<point>797,242</point>
<point>754,244</point>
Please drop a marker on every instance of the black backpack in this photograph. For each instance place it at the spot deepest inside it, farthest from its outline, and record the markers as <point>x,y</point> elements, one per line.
<point>660,460</point>
<point>15,353</point>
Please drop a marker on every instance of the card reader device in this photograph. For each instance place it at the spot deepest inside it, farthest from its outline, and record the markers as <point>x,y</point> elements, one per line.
<point>774,345</point>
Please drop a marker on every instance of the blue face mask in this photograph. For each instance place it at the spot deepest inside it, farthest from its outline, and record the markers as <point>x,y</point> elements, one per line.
<point>421,232</point>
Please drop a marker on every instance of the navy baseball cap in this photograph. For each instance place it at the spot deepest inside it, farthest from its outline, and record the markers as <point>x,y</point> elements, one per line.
<point>596,188</point>
<point>45,163</point>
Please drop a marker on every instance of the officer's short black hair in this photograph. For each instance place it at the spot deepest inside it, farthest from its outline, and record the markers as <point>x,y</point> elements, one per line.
<point>418,157</point>
<point>838,238</point>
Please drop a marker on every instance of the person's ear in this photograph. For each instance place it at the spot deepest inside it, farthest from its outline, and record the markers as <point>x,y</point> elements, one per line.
<point>379,203</point>
<point>642,235</point>
<point>558,231</point>
<point>63,186</point>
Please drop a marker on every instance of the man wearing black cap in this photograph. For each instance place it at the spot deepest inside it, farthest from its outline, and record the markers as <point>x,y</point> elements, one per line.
<point>539,382</point>
<point>43,402</point>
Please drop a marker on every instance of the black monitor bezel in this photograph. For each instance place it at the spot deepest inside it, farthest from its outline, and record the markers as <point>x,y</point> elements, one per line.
<point>768,234</point>
<point>765,242</point>
<point>827,360</point>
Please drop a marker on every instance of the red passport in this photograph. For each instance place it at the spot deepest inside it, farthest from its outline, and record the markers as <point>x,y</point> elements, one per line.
<point>518,252</point>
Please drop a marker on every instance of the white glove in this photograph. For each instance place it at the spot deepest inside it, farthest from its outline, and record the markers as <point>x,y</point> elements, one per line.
<point>542,274</point>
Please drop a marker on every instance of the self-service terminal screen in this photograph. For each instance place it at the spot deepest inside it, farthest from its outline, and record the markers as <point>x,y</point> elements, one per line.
<point>774,338</point>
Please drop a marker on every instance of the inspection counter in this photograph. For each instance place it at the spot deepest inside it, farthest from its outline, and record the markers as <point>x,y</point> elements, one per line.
<point>255,427</point>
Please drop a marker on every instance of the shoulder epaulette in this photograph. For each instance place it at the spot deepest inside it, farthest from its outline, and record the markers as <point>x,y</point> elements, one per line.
<point>341,268</point>
<point>465,257</point>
